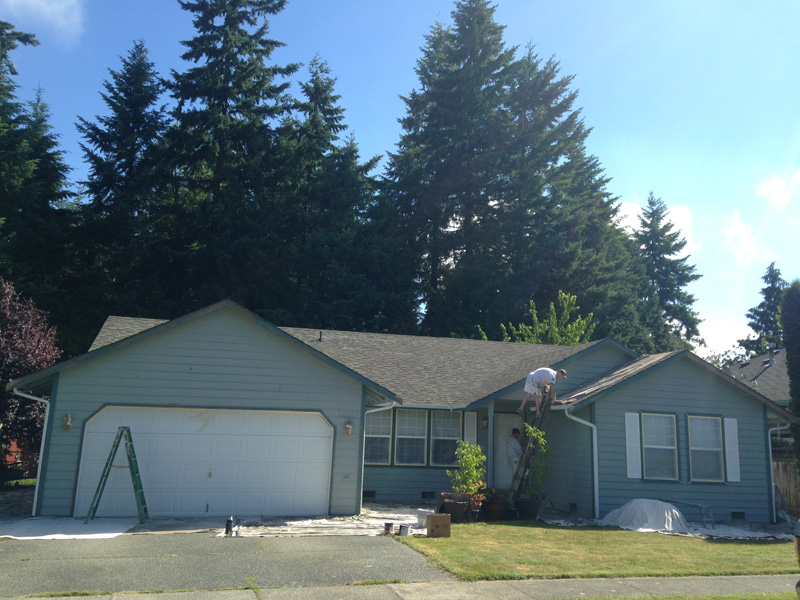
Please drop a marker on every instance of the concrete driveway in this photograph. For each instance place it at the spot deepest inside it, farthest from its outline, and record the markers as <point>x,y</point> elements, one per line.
<point>203,561</point>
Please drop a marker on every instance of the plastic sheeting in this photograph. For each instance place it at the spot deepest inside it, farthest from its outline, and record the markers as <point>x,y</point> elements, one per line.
<point>647,515</point>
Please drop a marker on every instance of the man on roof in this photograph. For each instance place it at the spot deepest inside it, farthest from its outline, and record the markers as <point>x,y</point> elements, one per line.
<point>537,384</point>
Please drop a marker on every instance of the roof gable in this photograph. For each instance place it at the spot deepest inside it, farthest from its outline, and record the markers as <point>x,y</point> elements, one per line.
<point>430,372</point>
<point>120,332</point>
<point>594,390</point>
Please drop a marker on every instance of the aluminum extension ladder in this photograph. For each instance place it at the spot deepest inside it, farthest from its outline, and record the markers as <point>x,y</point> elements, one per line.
<point>133,467</point>
<point>528,449</point>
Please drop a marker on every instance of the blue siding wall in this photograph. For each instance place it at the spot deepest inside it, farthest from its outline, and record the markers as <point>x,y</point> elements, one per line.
<point>570,485</point>
<point>406,484</point>
<point>685,388</point>
<point>219,360</point>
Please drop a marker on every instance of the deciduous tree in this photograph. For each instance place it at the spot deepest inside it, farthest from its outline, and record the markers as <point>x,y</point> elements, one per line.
<point>27,344</point>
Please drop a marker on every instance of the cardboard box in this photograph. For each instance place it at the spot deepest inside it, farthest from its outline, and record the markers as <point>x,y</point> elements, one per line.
<point>438,525</point>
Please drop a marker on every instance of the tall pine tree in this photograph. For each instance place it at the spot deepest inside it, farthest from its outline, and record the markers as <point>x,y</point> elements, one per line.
<point>223,144</point>
<point>493,184</point>
<point>123,192</point>
<point>764,318</point>
<point>667,307</point>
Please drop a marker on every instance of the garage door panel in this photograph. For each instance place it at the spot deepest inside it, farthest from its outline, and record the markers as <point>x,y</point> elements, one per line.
<point>226,446</point>
<point>255,447</point>
<point>255,474</point>
<point>261,463</point>
<point>196,446</point>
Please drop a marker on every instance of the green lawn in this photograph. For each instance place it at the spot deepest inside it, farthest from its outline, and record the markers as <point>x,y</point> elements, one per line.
<point>534,550</point>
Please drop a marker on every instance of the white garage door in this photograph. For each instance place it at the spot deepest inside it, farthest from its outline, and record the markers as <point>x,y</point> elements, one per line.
<point>196,462</point>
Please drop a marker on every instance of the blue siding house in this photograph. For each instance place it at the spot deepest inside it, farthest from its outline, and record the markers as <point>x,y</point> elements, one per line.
<point>231,414</point>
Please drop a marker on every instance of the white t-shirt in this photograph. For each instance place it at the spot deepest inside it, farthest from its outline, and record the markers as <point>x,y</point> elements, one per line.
<point>535,382</point>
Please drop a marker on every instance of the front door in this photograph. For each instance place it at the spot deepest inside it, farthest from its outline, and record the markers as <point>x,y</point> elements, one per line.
<point>503,424</point>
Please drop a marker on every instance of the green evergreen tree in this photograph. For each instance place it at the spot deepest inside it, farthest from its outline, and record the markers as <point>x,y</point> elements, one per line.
<point>764,318</point>
<point>223,167</point>
<point>493,185</point>
<point>121,149</point>
<point>667,306</point>
<point>790,319</point>
<point>443,174</point>
<point>35,212</point>
<point>328,197</point>
<point>16,163</point>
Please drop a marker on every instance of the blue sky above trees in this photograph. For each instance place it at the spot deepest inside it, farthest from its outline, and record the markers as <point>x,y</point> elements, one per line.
<point>697,102</point>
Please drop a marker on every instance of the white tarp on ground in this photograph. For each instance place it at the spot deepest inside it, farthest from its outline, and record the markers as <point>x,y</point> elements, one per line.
<point>647,515</point>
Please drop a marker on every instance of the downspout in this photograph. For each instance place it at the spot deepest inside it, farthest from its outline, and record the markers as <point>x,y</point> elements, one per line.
<point>595,467</point>
<point>775,429</point>
<point>388,406</point>
<point>41,446</point>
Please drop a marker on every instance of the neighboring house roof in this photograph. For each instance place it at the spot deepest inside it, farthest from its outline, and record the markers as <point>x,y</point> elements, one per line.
<point>593,390</point>
<point>435,372</point>
<point>766,374</point>
<point>119,328</point>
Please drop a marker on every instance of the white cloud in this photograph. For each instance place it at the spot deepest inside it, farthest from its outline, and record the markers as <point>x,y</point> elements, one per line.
<point>64,17</point>
<point>778,191</point>
<point>628,216</point>
<point>741,242</point>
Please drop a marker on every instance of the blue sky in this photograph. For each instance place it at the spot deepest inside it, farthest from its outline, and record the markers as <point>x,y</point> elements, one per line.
<point>697,101</point>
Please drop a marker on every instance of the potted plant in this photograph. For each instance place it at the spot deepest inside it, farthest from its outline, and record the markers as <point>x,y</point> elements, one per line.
<point>493,507</point>
<point>467,482</point>
<point>530,497</point>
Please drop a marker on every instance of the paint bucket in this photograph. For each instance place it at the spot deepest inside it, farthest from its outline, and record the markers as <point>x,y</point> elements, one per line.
<point>387,528</point>
<point>422,517</point>
<point>404,530</point>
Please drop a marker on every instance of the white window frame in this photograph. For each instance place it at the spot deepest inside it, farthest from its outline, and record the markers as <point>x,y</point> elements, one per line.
<point>648,443</point>
<point>454,434</point>
<point>378,430</point>
<point>418,430</point>
<point>706,444</point>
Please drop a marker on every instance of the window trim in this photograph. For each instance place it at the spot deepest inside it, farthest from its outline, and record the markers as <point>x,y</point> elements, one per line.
<point>387,436</point>
<point>720,450</point>
<point>676,462</point>
<point>398,437</point>
<point>433,439</point>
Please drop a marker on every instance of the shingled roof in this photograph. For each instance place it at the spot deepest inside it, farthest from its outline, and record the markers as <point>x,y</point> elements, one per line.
<point>592,390</point>
<point>119,328</point>
<point>431,371</point>
<point>766,374</point>
<point>414,370</point>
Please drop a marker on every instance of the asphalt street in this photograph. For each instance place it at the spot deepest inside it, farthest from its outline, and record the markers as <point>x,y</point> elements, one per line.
<point>202,561</point>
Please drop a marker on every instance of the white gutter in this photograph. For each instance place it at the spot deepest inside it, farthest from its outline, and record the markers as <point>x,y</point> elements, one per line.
<point>41,446</point>
<point>775,429</point>
<point>595,467</point>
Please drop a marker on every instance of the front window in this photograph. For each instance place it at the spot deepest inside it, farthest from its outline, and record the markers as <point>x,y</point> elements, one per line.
<point>660,446</point>
<point>445,433</point>
<point>378,433</point>
<point>705,445</point>
<point>412,426</point>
